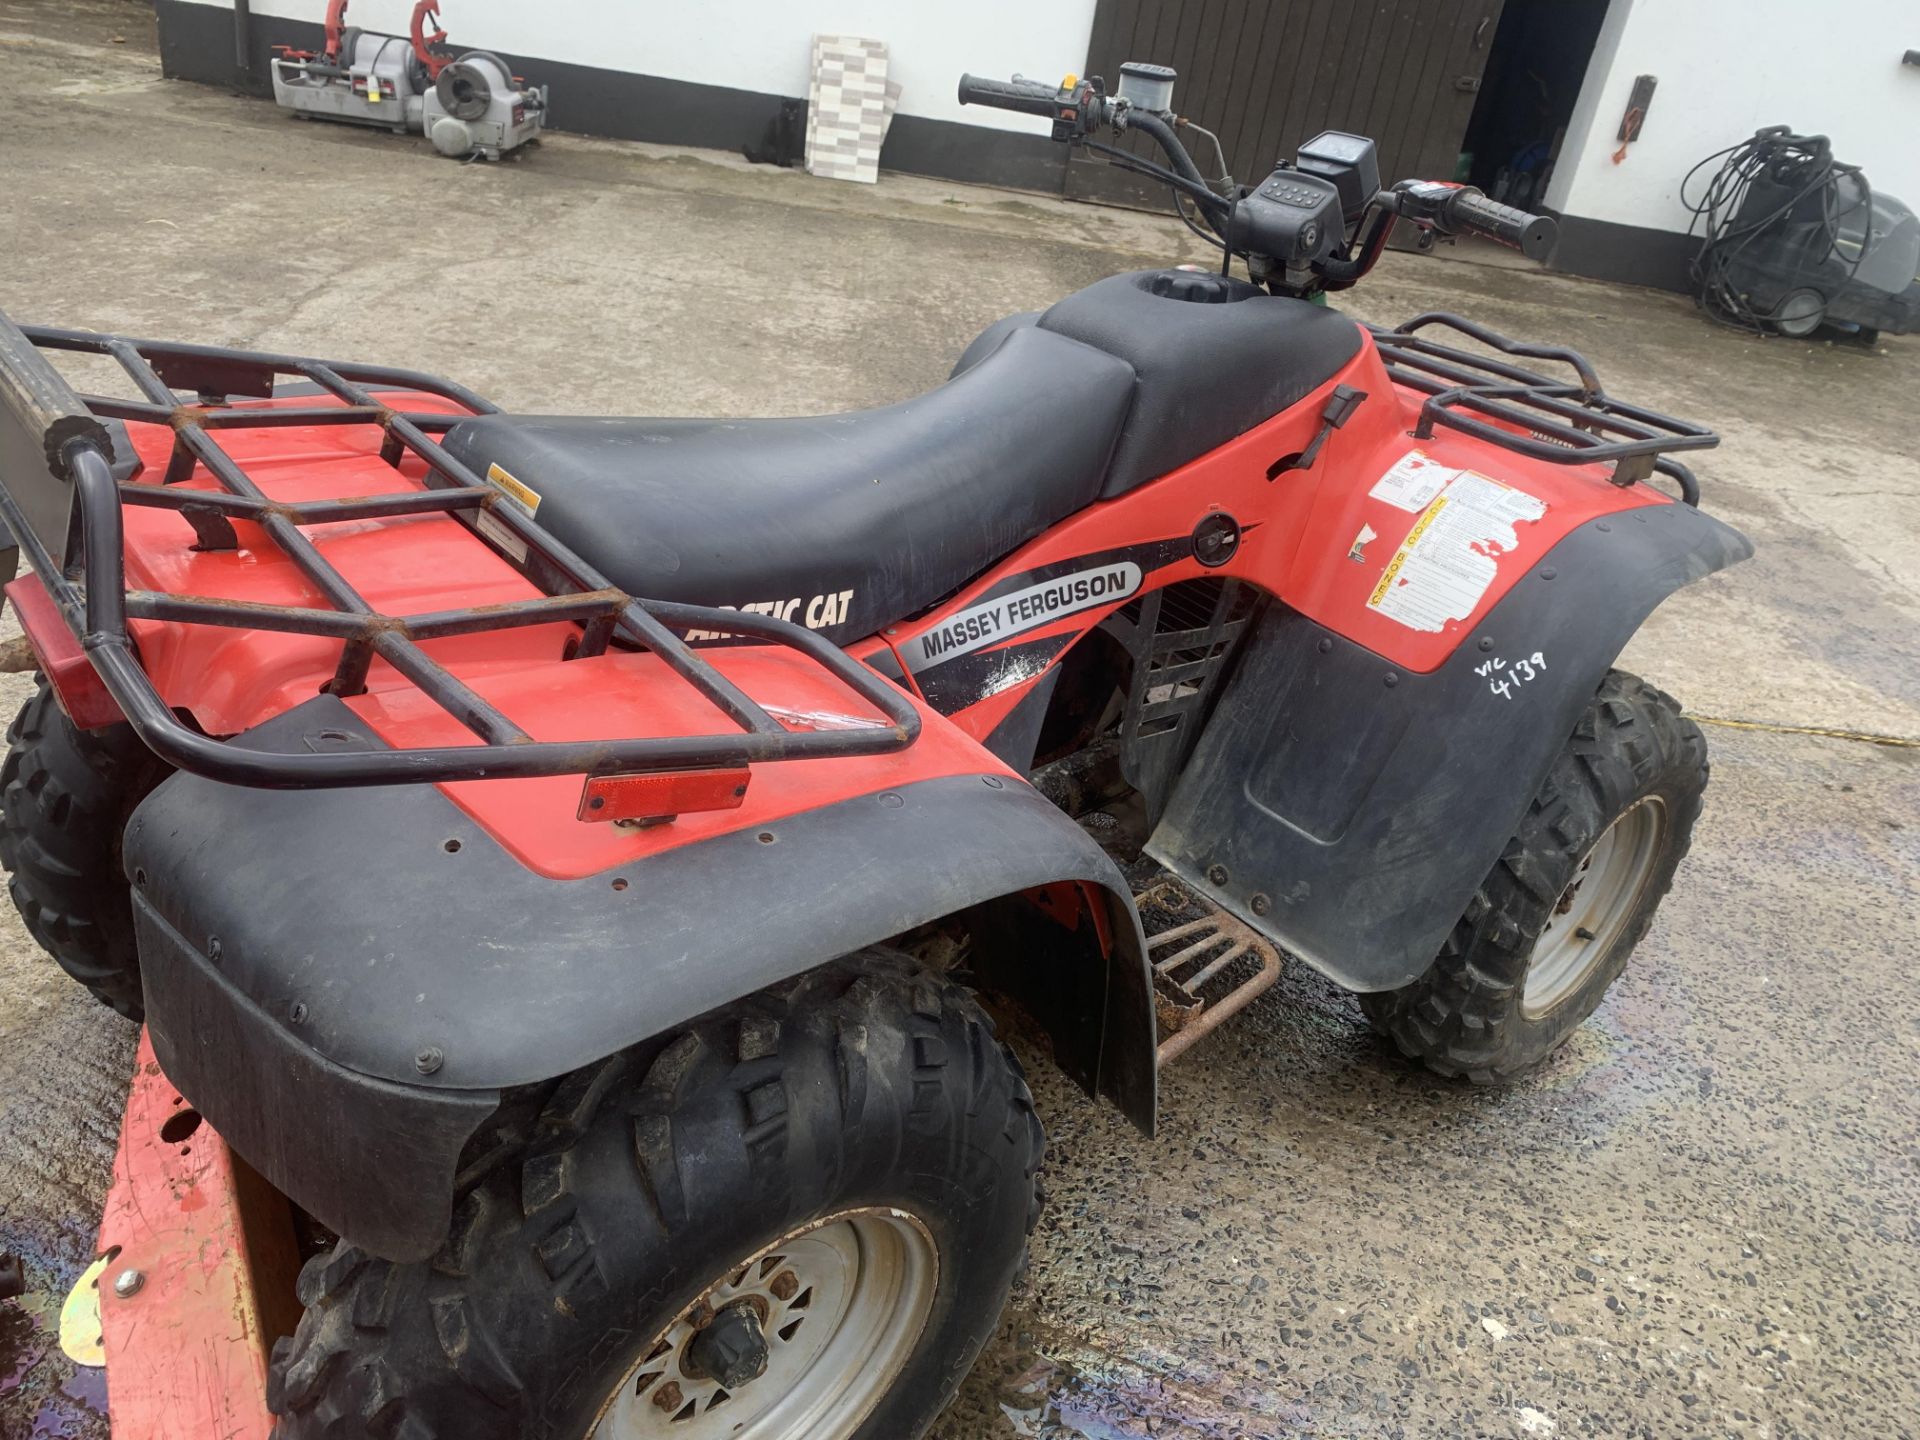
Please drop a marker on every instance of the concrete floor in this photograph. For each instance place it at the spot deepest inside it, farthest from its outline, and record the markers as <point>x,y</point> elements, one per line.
<point>1699,1220</point>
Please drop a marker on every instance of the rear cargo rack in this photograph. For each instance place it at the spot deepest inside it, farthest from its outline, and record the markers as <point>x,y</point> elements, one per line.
<point>59,496</point>
<point>1529,413</point>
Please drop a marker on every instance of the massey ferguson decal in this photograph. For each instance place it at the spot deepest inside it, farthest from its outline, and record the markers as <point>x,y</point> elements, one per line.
<point>986,647</point>
<point>1002,617</point>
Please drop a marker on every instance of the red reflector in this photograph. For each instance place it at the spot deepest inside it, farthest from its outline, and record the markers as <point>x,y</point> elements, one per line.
<point>75,683</point>
<point>658,797</point>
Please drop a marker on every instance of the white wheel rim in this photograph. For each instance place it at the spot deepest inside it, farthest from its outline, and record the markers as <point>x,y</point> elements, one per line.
<point>1799,314</point>
<point>842,1303</point>
<point>1595,908</point>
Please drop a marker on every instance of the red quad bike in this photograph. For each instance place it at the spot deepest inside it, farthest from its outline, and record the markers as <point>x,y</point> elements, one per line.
<point>566,859</point>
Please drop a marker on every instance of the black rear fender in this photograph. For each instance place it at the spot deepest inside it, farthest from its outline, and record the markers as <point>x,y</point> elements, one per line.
<point>344,981</point>
<point>1349,809</point>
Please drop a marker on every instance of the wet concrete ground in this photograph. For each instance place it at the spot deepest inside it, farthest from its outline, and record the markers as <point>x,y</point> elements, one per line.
<point>1699,1220</point>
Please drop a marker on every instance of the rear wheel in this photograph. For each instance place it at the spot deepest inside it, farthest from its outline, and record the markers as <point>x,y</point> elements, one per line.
<point>65,795</point>
<point>796,1220</point>
<point>1555,921</point>
<point>1799,313</point>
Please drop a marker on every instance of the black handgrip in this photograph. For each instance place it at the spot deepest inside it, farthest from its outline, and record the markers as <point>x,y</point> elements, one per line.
<point>1029,97</point>
<point>1531,235</point>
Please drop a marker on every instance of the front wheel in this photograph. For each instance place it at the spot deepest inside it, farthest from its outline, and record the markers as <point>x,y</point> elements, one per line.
<point>796,1220</point>
<point>1554,922</point>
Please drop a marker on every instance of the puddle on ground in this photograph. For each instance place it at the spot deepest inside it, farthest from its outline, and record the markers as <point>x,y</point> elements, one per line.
<point>43,1395</point>
<point>1626,1059</point>
<point>1038,1384</point>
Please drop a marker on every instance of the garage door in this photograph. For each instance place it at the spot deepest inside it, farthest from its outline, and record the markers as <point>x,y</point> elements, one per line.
<point>1267,76</point>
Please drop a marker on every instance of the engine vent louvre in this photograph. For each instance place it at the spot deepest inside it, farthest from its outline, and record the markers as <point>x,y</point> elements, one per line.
<point>1180,638</point>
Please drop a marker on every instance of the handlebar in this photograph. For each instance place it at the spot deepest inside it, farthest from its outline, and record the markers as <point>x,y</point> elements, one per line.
<point>1028,97</point>
<point>1463,210</point>
<point>1531,235</point>
<point>1081,108</point>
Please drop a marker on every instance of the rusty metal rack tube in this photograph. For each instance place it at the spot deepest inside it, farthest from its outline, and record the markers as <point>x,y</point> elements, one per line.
<point>88,583</point>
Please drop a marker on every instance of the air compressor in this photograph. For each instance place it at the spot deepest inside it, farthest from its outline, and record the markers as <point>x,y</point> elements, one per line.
<point>468,105</point>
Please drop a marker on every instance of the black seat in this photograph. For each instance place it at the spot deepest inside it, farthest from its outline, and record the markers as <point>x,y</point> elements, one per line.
<point>847,523</point>
<point>1214,357</point>
<point>841,522</point>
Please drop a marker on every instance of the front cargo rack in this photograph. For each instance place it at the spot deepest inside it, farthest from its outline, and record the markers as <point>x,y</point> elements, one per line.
<point>61,499</point>
<point>1521,410</point>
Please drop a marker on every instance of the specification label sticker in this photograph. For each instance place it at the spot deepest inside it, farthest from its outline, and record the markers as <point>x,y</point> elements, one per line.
<point>1413,482</point>
<point>1452,555</point>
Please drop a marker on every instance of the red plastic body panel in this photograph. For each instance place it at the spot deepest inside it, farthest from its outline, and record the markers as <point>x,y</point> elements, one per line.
<point>76,684</point>
<point>1317,539</point>
<point>187,1351</point>
<point>1298,529</point>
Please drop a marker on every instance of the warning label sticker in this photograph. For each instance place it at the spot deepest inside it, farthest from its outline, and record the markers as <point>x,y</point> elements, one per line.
<point>504,540</point>
<point>519,490</point>
<point>1451,556</point>
<point>1413,482</point>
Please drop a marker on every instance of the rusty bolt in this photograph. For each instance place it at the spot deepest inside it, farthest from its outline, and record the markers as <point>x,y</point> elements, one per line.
<point>1216,874</point>
<point>668,1396</point>
<point>785,1285</point>
<point>1261,904</point>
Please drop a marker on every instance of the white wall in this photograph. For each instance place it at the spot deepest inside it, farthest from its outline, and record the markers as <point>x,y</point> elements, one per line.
<point>1726,68</point>
<point>763,44</point>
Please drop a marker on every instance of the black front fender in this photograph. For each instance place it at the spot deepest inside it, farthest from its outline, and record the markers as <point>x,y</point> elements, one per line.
<point>1349,809</point>
<point>333,957</point>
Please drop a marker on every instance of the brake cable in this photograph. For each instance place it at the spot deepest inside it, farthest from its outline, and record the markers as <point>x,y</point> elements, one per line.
<point>1123,160</point>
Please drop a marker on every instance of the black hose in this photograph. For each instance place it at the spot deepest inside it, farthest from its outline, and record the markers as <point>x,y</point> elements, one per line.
<point>1201,192</point>
<point>1148,123</point>
<point>1344,272</point>
<point>1803,166</point>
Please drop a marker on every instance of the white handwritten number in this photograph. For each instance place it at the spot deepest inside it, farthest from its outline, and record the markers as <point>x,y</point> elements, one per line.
<point>1523,671</point>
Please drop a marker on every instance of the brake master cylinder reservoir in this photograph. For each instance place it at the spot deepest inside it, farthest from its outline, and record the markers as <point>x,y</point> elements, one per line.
<point>1147,87</point>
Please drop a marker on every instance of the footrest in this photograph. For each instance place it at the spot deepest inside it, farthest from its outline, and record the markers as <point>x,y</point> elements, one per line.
<point>1207,965</point>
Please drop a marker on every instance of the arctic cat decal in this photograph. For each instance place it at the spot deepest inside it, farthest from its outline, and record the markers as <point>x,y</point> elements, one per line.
<point>987,622</point>
<point>817,612</point>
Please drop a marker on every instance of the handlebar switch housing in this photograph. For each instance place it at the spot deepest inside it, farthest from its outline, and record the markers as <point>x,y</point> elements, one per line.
<point>1078,111</point>
<point>1293,217</point>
